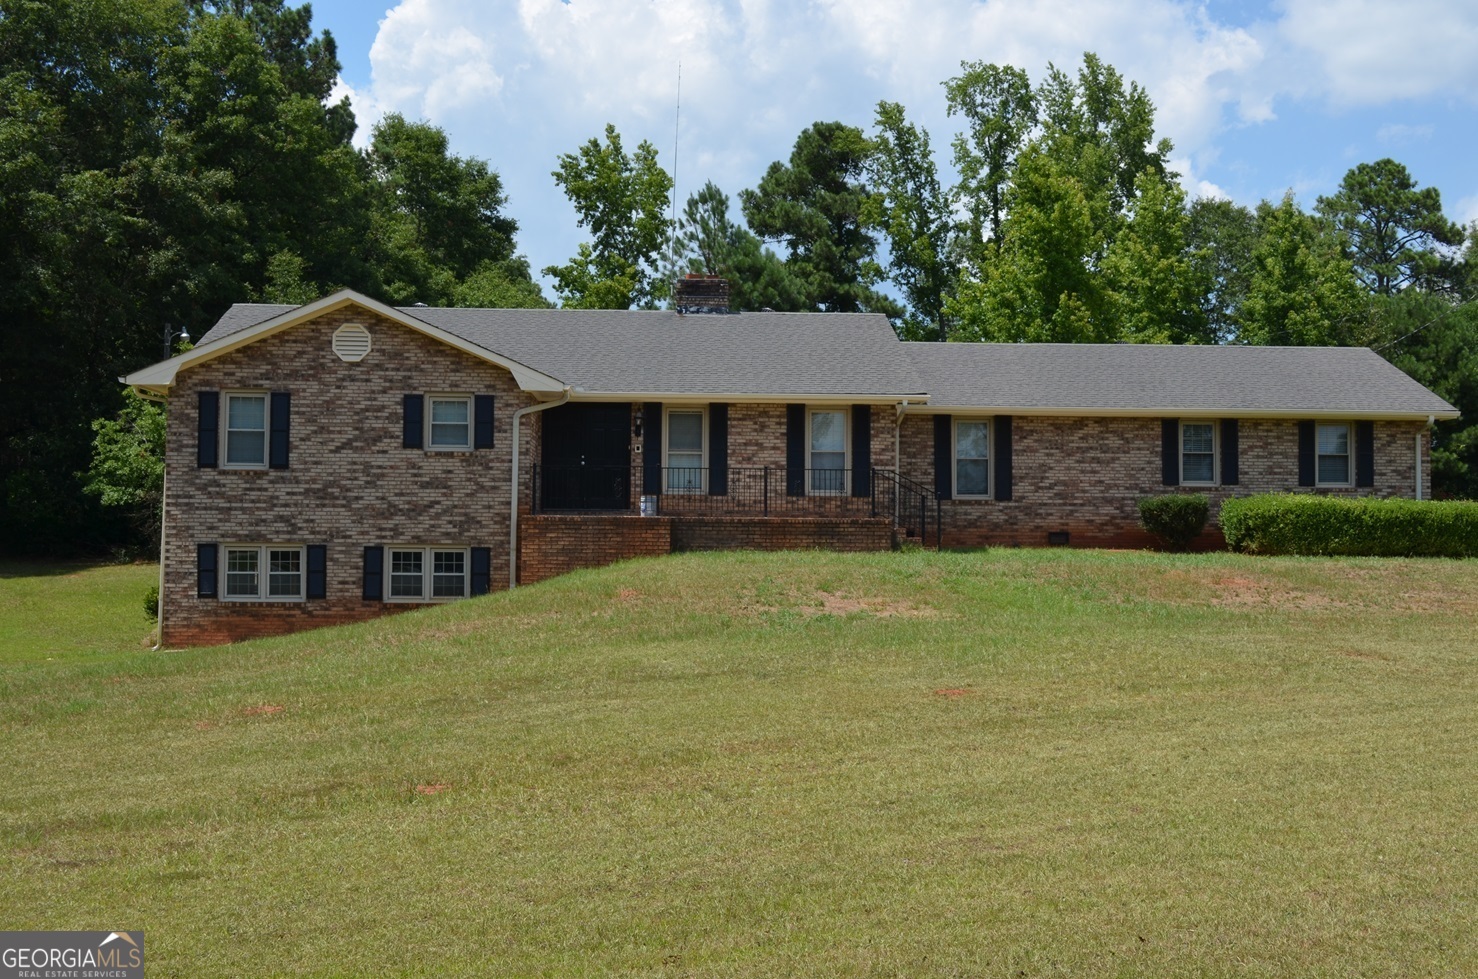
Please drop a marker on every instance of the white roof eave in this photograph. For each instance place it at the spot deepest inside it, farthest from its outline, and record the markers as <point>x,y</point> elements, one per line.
<point>159,378</point>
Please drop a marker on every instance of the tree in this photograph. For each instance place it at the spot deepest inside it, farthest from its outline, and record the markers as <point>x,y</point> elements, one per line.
<point>500,285</point>
<point>817,205</point>
<point>1039,288</point>
<point>1154,280</point>
<point>622,198</point>
<point>1302,290</point>
<point>1000,110</point>
<point>1068,193</point>
<point>913,212</point>
<point>1392,230</point>
<point>437,218</point>
<point>1435,340</point>
<point>127,469</point>
<point>1221,236</point>
<point>710,242</point>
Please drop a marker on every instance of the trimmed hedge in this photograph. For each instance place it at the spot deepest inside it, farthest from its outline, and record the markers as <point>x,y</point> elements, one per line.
<point>1175,518</point>
<point>1296,523</point>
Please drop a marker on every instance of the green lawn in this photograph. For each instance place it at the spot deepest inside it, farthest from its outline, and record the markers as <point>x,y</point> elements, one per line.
<point>61,611</point>
<point>1007,763</point>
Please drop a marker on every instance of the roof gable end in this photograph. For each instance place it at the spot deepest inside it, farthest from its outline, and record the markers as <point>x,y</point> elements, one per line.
<point>158,378</point>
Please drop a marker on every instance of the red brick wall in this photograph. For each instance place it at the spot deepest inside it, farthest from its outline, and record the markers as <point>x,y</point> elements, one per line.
<point>559,543</point>
<point>350,483</point>
<point>781,534</point>
<point>1085,476</point>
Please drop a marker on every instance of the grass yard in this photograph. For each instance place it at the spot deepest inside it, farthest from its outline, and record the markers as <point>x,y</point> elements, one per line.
<point>1006,763</point>
<point>61,611</point>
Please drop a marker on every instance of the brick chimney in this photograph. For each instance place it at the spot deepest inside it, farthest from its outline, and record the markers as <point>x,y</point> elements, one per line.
<point>695,293</point>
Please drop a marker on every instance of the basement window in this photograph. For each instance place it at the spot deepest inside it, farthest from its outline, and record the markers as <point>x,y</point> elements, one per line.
<point>427,574</point>
<point>263,573</point>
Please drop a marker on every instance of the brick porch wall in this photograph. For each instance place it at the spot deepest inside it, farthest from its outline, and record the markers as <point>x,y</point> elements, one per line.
<point>550,545</point>
<point>555,544</point>
<point>350,483</point>
<point>1085,476</point>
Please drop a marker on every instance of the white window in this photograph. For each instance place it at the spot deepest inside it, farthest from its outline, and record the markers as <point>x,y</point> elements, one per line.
<point>246,430</point>
<point>449,421</point>
<point>1333,454</point>
<point>1198,453</point>
<point>686,460</point>
<point>826,455</point>
<point>972,457</point>
<point>264,573</point>
<point>427,574</point>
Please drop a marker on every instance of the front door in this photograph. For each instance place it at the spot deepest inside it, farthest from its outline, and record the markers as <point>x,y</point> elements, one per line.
<point>586,457</point>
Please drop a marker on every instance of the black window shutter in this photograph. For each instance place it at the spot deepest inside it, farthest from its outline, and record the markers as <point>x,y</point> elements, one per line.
<point>482,421</point>
<point>862,450</point>
<point>412,421</point>
<point>1306,453</point>
<point>651,474</point>
<point>944,456</point>
<point>1170,451</point>
<point>1002,450</point>
<point>482,570</point>
<point>317,571</point>
<point>205,570</point>
<point>718,450</point>
<point>374,574</point>
<point>281,422</point>
<point>1365,453</point>
<point>1231,466</point>
<point>795,450</point>
<point>209,429</point>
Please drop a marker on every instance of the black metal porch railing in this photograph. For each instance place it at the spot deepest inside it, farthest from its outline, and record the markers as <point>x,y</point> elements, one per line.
<point>741,491</point>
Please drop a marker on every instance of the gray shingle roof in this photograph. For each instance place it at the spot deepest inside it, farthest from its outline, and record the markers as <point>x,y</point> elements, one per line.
<point>1163,378</point>
<point>857,354</point>
<point>658,351</point>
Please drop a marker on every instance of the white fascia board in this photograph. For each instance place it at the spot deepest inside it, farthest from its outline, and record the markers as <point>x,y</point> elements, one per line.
<point>159,378</point>
<point>730,397</point>
<point>1229,412</point>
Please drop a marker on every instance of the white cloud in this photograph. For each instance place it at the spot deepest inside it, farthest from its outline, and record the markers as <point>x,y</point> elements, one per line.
<point>432,57</point>
<point>1399,133</point>
<point>1466,210</point>
<point>1371,52</point>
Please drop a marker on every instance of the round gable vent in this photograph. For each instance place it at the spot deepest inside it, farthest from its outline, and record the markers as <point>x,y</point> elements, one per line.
<point>351,342</point>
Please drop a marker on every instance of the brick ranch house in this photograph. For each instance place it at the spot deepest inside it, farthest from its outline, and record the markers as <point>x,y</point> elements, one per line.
<point>331,462</point>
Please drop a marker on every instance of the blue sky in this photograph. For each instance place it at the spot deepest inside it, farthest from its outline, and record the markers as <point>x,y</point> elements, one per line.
<point>1259,98</point>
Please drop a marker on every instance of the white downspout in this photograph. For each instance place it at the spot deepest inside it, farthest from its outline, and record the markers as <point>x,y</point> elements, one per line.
<point>513,505</point>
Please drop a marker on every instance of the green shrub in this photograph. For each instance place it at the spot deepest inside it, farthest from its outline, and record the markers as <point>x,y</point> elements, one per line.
<point>1176,518</point>
<point>151,602</point>
<point>1307,524</point>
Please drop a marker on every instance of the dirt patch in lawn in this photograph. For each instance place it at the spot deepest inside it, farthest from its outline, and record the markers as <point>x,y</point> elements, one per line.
<point>828,604</point>
<point>263,710</point>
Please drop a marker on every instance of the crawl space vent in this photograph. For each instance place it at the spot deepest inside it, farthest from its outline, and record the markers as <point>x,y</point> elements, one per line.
<point>351,342</point>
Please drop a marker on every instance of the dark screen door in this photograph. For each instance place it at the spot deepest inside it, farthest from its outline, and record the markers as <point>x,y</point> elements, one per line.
<point>587,457</point>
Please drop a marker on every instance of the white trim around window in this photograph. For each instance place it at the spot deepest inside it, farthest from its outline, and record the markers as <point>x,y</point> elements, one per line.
<point>684,465</point>
<point>970,448</point>
<point>448,429</point>
<point>823,452</point>
<point>263,572</point>
<point>1334,454</point>
<point>1200,452</point>
<point>418,573</point>
<point>246,424</point>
